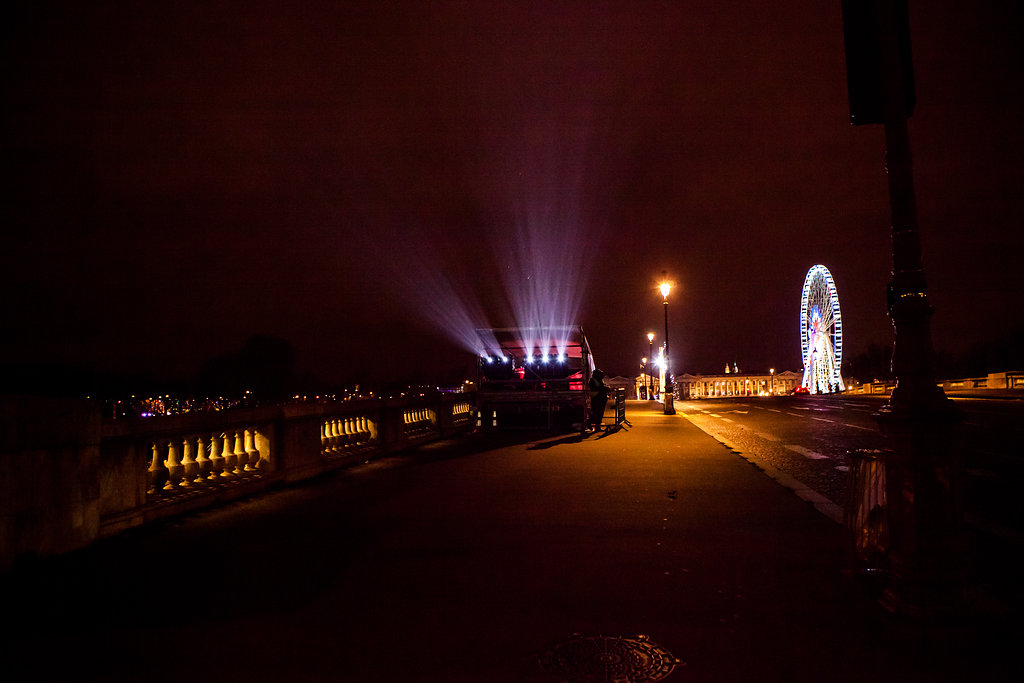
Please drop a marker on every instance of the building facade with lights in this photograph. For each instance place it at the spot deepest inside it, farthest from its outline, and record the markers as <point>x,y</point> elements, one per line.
<point>736,384</point>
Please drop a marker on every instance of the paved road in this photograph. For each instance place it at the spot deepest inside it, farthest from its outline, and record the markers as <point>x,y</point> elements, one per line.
<point>472,561</point>
<point>810,439</point>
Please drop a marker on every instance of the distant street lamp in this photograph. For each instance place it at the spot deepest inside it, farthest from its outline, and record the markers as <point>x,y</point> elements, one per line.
<point>650,380</point>
<point>669,388</point>
<point>643,368</point>
<point>772,371</point>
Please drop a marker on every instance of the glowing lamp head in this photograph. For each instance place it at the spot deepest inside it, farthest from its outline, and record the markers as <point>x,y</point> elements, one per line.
<point>650,337</point>
<point>561,358</point>
<point>665,289</point>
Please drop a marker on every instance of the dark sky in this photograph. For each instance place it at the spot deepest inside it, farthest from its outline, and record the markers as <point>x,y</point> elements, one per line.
<point>355,176</point>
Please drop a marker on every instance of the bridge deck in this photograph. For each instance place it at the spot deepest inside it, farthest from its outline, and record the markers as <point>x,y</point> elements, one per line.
<point>472,561</point>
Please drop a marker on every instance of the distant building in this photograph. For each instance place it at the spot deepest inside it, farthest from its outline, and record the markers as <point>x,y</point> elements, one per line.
<point>735,384</point>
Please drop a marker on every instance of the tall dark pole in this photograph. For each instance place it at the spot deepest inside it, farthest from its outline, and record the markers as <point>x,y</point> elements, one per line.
<point>650,378</point>
<point>669,393</point>
<point>922,472</point>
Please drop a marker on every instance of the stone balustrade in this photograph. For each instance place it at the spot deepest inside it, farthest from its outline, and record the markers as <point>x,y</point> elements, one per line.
<point>992,383</point>
<point>67,477</point>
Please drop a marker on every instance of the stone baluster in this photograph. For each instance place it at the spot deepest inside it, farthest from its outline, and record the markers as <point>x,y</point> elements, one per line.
<point>331,434</point>
<point>230,459</point>
<point>324,438</point>
<point>348,438</point>
<point>216,459</point>
<point>253,456</point>
<point>202,461</point>
<point>174,467</point>
<point>241,458</point>
<point>337,435</point>
<point>188,464</point>
<point>157,473</point>
<point>359,427</point>
<point>343,434</point>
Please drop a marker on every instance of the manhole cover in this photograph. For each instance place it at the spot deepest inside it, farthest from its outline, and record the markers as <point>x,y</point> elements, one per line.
<point>586,659</point>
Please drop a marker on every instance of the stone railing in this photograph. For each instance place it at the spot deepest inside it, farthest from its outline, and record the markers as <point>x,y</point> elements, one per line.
<point>993,382</point>
<point>67,477</point>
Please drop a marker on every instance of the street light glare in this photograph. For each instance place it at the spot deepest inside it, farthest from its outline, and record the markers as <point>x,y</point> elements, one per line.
<point>650,337</point>
<point>665,288</point>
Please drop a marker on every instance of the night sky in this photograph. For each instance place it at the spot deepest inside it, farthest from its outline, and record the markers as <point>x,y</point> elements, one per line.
<point>366,180</point>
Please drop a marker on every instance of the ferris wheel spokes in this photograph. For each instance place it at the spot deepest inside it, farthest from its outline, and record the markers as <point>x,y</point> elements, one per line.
<point>821,333</point>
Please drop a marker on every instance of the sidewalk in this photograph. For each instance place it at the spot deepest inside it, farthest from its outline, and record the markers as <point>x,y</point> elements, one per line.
<point>474,561</point>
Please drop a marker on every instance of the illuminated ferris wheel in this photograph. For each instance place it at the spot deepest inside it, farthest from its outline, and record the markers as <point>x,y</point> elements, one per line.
<point>821,333</point>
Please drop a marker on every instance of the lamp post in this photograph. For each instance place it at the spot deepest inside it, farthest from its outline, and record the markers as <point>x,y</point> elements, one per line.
<point>670,409</point>
<point>772,372</point>
<point>643,369</point>
<point>923,477</point>
<point>650,380</point>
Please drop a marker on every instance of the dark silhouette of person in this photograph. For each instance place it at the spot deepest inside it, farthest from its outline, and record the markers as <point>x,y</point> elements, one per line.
<point>598,398</point>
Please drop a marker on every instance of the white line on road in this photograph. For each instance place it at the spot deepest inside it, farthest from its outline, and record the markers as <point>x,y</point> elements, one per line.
<point>806,452</point>
<point>713,415</point>
<point>773,410</point>
<point>768,437</point>
<point>866,429</point>
<point>725,419</point>
<point>821,419</point>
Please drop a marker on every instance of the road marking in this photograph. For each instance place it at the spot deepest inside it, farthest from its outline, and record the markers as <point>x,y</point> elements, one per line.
<point>801,408</point>
<point>821,419</point>
<point>725,419</point>
<point>820,502</point>
<point>866,429</point>
<point>773,410</point>
<point>806,452</point>
<point>713,415</point>
<point>767,437</point>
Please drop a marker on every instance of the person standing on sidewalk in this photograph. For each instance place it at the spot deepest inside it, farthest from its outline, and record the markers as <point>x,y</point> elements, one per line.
<point>598,398</point>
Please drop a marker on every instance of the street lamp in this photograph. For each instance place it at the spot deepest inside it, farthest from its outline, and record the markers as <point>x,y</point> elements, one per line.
<point>670,409</point>
<point>643,368</point>
<point>650,380</point>
<point>772,372</point>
